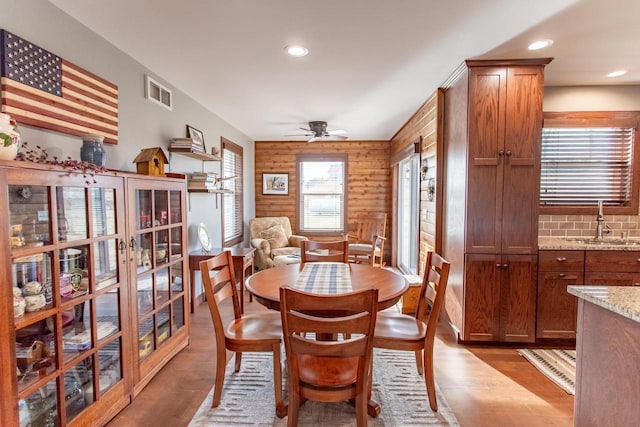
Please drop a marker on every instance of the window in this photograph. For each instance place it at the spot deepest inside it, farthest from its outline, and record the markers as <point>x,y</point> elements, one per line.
<point>232,213</point>
<point>408,214</point>
<point>585,158</point>
<point>322,193</point>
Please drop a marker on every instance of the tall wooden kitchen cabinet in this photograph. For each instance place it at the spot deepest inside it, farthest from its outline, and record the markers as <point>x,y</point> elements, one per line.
<point>493,122</point>
<point>94,266</point>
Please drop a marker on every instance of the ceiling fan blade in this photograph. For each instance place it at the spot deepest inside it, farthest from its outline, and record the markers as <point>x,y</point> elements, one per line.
<point>312,139</point>
<point>301,134</point>
<point>305,129</point>
<point>340,136</point>
<point>337,132</point>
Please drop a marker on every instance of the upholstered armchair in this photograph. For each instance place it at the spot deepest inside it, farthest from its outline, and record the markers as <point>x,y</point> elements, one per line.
<point>274,242</point>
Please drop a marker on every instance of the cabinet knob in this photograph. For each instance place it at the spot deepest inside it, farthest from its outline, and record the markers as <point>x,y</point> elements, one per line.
<point>561,259</point>
<point>132,243</point>
<point>501,153</point>
<point>561,275</point>
<point>508,152</point>
<point>505,266</point>
<point>498,265</point>
<point>123,246</point>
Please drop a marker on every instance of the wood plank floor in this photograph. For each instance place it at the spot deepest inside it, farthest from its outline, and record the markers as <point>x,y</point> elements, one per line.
<point>485,386</point>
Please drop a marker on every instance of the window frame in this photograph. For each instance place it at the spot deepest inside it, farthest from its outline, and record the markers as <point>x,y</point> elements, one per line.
<point>589,119</point>
<point>301,158</point>
<point>238,193</point>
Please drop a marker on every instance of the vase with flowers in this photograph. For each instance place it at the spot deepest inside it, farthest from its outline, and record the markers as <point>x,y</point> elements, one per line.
<point>9,138</point>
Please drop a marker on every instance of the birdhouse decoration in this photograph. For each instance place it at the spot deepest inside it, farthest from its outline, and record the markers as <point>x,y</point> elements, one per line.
<point>151,161</point>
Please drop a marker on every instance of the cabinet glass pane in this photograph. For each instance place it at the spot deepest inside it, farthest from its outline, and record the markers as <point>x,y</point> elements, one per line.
<point>105,263</point>
<point>76,330</point>
<point>162,246</point>
<point>178,314</point>
<point>78,387</point>
<point>176,207</point>
<point>110,365</point>
<point>146,339</point>
<point>32,279</point>
<point>143,209</point>
<point>176,277</point>
<point>103,215</point>
<point>176,242</point>
<point>164,326</point>
<point>161,210</point>
<point>145,294</point>
<point>143,251</point>
<point>162,287</point>
<point>35,351</point>
<point>74,272</point>
<point>29,215</point>
<point>72,213</point>
<point>107,314</point>
<point>40,409</point>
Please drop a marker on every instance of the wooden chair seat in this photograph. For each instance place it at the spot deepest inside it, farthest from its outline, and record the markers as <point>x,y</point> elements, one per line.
<point>263,327</point>
<point>398,331</point>
<point>327,371</point>
<point>366,245</point>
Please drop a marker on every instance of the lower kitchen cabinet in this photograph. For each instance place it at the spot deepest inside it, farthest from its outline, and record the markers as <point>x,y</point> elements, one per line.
<point>80,257</point>
<point>500,298</point>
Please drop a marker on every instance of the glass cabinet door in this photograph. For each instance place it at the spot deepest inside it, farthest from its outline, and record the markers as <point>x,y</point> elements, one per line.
<point>158,247</point>
<point>68,265</point>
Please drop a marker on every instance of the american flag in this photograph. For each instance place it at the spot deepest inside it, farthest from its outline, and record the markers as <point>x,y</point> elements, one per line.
<point>41,89</point>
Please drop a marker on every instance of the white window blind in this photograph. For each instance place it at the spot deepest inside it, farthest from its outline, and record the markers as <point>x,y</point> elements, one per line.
<point>322,194</point>
<point>580,166</point>
<point>232,212</point>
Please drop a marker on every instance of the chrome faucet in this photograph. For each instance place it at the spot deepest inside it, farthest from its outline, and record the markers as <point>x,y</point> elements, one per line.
<point>601,226</point>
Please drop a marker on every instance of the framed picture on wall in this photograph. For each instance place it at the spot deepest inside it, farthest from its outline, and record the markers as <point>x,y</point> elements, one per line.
<point>275,183</point>
<point>197,136</point>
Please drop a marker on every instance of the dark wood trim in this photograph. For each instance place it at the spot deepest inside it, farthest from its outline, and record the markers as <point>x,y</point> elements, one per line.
<point>595,119</point>
<point>507,62</point>
<point>410,149</point>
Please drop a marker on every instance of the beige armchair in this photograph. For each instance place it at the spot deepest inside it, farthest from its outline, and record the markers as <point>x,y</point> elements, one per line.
<point>274,242</point>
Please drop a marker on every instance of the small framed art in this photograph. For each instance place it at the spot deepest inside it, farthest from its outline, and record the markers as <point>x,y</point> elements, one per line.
<point>197,136</point>
<point>275,183</point>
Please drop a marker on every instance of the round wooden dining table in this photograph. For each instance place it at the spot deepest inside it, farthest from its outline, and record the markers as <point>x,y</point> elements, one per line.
<point>265,285</point>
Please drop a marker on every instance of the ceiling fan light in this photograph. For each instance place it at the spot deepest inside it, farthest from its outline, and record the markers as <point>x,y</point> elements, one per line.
<point>540,44</point>
<point>617,73</point>
<point>297,51</point>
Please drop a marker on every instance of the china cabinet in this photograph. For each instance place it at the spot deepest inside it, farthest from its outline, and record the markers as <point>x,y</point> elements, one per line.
<point>94,268</point>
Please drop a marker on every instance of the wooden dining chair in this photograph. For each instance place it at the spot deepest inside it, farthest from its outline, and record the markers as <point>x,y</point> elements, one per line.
<point>416,333</point>
<point>260,332</point>
<point>328,371</point>
<point>314,251</point>
<point>366,245</point>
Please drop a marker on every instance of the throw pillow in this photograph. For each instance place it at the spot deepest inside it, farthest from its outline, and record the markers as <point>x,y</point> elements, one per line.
<point>275,236</point>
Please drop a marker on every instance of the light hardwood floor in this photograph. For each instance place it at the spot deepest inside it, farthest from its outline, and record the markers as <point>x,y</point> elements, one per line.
<point>485,386</point>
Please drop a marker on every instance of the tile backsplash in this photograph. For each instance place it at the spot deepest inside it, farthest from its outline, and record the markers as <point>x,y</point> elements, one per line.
<point>585,225</point>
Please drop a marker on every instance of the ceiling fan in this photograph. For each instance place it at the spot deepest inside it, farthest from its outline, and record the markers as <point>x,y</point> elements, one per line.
<point>318,130</point>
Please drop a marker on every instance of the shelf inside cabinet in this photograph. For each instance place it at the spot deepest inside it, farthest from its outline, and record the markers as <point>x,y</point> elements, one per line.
<point>205,157</point>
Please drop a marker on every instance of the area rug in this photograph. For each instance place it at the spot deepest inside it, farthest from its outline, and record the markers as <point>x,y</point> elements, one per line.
<point>247,398</point>
<point>557,365</point>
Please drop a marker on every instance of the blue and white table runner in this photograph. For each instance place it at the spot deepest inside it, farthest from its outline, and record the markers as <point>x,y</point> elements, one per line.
<point>324,278</point>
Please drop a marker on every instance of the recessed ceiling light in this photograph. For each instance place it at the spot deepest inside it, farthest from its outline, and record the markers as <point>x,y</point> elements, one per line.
<point>297,50</point>
<point>617,73</point>
<point>540,44</point>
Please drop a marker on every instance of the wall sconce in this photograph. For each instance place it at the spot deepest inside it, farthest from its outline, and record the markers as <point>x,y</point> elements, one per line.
<point>431,189</point>
<point>424,169</point>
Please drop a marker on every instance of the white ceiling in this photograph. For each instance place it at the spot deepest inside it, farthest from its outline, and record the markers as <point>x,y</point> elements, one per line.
<point>372,63</point>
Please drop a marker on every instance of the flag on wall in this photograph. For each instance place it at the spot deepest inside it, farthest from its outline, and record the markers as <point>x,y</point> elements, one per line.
<point>44,90</point>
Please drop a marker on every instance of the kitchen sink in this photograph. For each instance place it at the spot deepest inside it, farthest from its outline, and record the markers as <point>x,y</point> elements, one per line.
<point>610,241</point>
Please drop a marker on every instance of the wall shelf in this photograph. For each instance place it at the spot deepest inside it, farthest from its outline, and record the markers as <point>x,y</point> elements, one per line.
<point>205,157</point>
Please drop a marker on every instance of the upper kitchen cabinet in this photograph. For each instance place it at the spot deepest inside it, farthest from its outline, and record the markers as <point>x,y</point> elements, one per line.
<point>505,121</point>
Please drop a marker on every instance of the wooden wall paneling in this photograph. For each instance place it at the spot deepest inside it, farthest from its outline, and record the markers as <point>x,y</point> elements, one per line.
<point>368,176</point>
<point>425,125</point>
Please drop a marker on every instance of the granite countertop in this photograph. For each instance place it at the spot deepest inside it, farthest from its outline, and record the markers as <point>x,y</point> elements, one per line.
<point>568,243</point>
<point>623,300</point>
